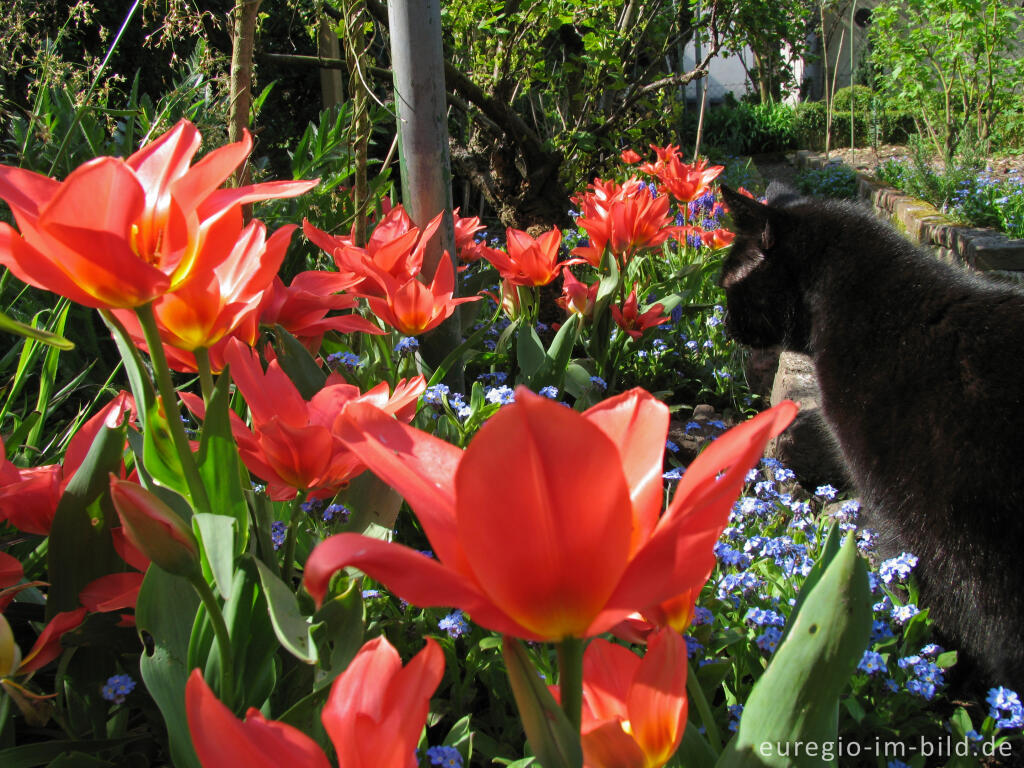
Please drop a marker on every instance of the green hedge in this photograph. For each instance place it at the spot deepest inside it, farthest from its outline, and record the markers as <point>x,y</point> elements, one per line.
<point>878,127</point>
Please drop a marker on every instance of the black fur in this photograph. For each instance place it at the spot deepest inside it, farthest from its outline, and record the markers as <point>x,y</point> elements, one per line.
<point>921,383</point>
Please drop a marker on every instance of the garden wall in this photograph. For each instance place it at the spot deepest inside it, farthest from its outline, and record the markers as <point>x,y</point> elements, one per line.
<point>978,248</point>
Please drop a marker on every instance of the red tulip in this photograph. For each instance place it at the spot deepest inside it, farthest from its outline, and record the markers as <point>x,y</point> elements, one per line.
<point>395,248</point>
<point>577,297</point>
<point>634,710</point>
<point>717,238</point>
<point>412,307</point>
<point>629,318</point>
<point>11,573</point>
<point>212,303</point>
<point>529,539</point>
<point>663,154</point>
<point>687,182</point>
<point>119,233</point>
<point>302,307</point>
<point>529,261</point>
<point>155,529</point>
<point>374,715</point>
<point>629,157</point>
<point>47,646</point>
<point>625,220</point>
<point>291,444</point>
<point>466,229</point>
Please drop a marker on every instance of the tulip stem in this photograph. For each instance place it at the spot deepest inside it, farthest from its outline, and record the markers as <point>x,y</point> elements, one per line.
<point>220,631</point>
<point>202,355</point>
<point>170,397</point>
<point>696,695</point>
<point>570,679</point>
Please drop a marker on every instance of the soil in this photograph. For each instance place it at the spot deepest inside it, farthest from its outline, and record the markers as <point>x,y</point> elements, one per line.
<point>776,167</point>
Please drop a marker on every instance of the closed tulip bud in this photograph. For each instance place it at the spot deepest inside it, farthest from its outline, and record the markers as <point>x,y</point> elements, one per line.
<point>155,529</point>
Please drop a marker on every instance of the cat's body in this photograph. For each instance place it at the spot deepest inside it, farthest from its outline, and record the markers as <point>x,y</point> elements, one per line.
<point>922,383</point>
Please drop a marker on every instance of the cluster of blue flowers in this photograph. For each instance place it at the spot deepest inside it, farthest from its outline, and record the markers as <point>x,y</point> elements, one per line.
<point>454,624</point>
<point>447,757</point>
<point>117,688</point>
<point>1005,708</point>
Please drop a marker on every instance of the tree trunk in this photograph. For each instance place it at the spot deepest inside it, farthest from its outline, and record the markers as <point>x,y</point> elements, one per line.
<point>240,87</point>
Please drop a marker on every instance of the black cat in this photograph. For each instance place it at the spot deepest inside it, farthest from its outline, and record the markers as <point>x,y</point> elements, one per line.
<point>923,387</point>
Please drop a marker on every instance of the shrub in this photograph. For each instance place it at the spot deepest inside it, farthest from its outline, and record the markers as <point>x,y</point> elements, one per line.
<point>746,129</point>
<point>872,127</point>
<point>858,95</point>
<point>834,180</point>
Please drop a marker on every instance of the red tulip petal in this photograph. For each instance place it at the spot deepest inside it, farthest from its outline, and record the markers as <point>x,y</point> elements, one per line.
<point>10,570</point>
<point>421,580</point>
<point>377,708</point>
<point>111,592</point>
<point>128,551</point>
<point>31,266</point>
<point>47,646</point>
<point>608,672</point>
<point>300,455</point>
<point>223,741</point>
<point>25,191</point>
<point>418,465</point>
<point>269,395</point>
<point>608,746</point>
<point>638,424</point>
<point>544,515</point>
<point>166,158</point>
<point>197,183</point>
<point>657,701</point>
<point>678,555</point>
<point>113,414</point>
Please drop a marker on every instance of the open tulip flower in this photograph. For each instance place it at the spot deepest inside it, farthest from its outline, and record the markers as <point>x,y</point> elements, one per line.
<point>413,307</point>
<point>373,715</point>
<point>632,321</point>
<point>292,445</point>
<point>301,308</point>
<point>577,298</point>
<point>466,229</point>
<point>211,304</point>
<point>119,233</point>
<point>687,182</point>
<point>624,219</point>
<point>549,525</point>
<point>395,248</point>
<point>529,261</point>
<point>634,709</point>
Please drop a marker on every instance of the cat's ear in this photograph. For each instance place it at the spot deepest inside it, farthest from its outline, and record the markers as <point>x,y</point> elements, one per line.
<point>748,215</point>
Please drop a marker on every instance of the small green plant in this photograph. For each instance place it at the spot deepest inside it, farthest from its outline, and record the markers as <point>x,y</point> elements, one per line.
<point>834,180</point>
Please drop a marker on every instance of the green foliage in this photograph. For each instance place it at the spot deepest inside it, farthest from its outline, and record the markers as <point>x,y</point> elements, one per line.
<point>745,129</point>
<point>956,63</point>
<point>923,176</point>
<point>835,180</point>
<point>797,698</point>
<point>859,96</point>
<point>872,127</point>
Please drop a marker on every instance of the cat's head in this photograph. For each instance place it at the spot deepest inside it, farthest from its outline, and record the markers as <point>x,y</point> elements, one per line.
<point>761,274</point>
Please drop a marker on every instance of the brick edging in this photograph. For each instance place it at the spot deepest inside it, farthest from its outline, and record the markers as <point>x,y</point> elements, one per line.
<point>979,248</point>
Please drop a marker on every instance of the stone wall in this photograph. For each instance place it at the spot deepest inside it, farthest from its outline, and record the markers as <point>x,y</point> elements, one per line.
<point>982,249</point>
